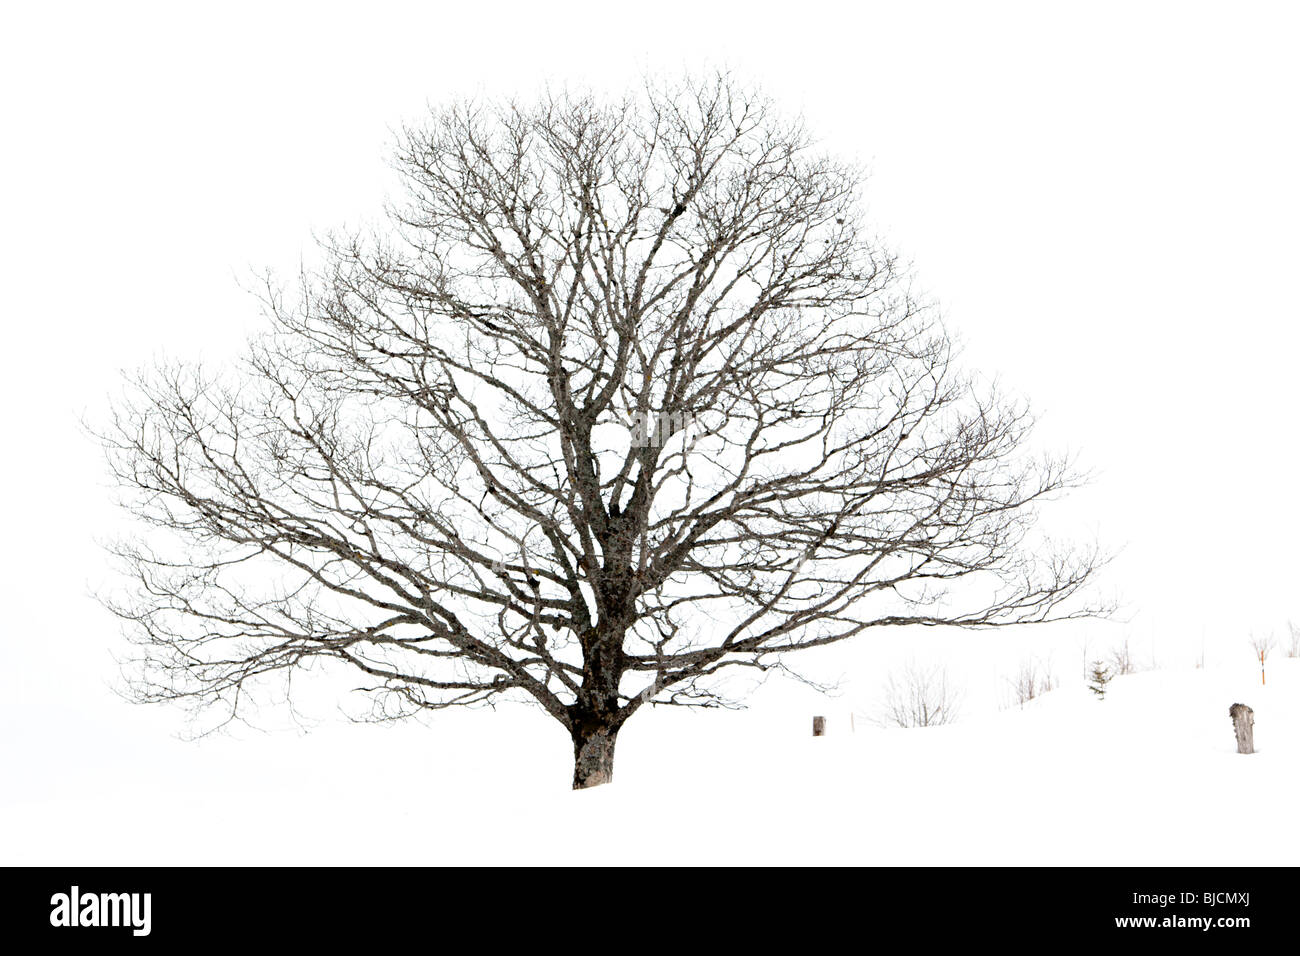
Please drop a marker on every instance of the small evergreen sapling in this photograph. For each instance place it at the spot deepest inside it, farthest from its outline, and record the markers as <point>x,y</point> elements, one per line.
<point>1098,679</point>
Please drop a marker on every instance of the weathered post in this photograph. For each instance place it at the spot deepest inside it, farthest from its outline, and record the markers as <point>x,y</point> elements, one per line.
<point>1243,724</point>
<point>819,726</point>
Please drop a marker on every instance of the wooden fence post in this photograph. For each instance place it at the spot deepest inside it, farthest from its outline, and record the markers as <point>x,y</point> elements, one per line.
<point>819,726</point>
<point>1243,724</point>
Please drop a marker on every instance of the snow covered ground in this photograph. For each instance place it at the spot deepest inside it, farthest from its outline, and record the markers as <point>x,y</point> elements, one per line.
<point>1149,775</point>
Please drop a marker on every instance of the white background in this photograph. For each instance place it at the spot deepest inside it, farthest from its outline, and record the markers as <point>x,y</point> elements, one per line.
<point>1103,197</point>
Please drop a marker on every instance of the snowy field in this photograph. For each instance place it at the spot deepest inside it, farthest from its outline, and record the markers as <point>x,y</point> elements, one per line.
<point>1146,776</point>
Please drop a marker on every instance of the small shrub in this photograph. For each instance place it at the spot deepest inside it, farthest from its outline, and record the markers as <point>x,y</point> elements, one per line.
<point>1121,660</point>
<point>1030,680</point>
<point>919,698</point>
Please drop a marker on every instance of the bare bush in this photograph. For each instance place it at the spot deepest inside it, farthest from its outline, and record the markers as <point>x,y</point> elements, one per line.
<point>1031,680</point>
<point>919,697</point>
<point>1122,661</point>
<point>1293,640</point>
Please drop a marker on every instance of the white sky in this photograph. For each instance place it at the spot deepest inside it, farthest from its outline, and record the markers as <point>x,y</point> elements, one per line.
<point>1105,201</point>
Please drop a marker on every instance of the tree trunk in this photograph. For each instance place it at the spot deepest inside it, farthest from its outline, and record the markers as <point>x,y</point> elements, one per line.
<point>1243,723</point>
<point>819,726</point>
<point>593,757</point>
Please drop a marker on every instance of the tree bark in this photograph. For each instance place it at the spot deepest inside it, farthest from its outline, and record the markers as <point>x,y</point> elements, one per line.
<point>1243,724</point>
<point>819,726</point>
<point>593,757</point>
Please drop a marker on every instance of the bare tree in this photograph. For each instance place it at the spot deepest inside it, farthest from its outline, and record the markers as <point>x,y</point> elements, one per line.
<point>919,697</point>
<point>621,398</point>
<point>1293,639</point>
<point>1261,645</point>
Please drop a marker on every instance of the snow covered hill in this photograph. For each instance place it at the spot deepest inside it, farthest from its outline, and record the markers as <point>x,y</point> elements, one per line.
<point>1149,775</point>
